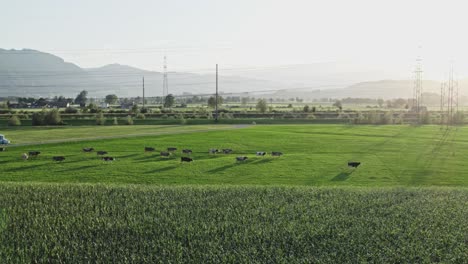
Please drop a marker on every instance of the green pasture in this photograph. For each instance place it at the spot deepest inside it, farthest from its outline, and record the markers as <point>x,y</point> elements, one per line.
<point>314,155</point>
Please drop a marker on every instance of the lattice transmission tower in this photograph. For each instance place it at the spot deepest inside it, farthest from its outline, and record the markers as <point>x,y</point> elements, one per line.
<point>418,87</point>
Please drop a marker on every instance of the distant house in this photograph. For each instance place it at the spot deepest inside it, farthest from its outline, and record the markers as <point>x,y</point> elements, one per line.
<point>58,104</point>
<point>104,105</point>
<point>127,105</point>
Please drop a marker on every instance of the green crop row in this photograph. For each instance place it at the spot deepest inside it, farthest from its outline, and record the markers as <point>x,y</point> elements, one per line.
<point>66,223</point>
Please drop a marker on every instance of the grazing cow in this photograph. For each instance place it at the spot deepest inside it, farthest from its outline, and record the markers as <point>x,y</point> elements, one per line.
<point>149,149</point>
<point>354,164</point>
<point>88,149</point>
<point>242,158</point>
<point>171,149</point>
<point>261,153</point>
<point>227,151</point>
<point>2,149</point>
<point>165,154</point>
<point>108,158</point>
<point>185,159</point>
<point>58,158</point>
<point>214,151</point>
<point>187,151</point>
<point>24,156</point>
<point>101,153</point>
<point>34,153</point>
<point>276,153</point>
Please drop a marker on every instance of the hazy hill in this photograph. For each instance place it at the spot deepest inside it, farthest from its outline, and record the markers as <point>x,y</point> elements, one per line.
<point>34,73</point>
<point>385,89</point>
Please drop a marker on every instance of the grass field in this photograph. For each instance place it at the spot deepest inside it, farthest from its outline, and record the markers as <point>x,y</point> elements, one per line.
<point>406,203</point>
<point>135,224</point>
<point>313,155</point>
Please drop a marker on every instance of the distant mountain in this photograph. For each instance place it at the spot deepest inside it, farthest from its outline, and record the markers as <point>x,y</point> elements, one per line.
<point>384,89</point>
<point>34,73</point>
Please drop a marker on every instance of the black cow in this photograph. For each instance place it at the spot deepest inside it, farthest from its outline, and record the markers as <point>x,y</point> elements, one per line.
<point>108,158</point>
<point>353,164</point>
<point>149,149</point>
<point>2,149</point>
<point>58,158</point>
<point>214,151</point>
<point>101,152</point>
<point>187,151</point>
<point>276,153</point>
<point>261,153</point>
<point>171,149</point>
<point>243,158</point>
<point>34,153</point>
<point>165,154</point>
<point>185,159</point>
<point>88,149</point>
<point>227,151</point>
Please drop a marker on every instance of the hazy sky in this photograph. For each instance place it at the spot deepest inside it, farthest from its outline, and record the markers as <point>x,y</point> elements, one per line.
<point>196,34</point>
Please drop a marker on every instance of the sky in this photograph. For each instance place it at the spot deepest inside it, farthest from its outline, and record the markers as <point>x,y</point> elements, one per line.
<point>384,37</point>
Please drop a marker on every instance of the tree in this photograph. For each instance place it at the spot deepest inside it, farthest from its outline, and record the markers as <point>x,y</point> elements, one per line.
<point>261,106</point>
<point>380,102</point>
<point>169,101</point>
<point>81,98</point>
<point>53,118</point>
<point>100,119</point>
<point>212,101</point>
<point>306,109</point>
<point>338,104</point>
<point>244,101</point>
<point>14,121</point>
<point>111,98</point>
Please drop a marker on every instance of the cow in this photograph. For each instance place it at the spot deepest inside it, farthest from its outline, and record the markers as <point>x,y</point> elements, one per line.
<point>108,158</point>
<point>227,151</point>
<point>214,151</point>
<point>149,149</point>
<point>276,153</point>
<point>242,158</point>
<point>171,149</point>
<point>24,156</point>
<point>185,159</point>
<point>165,154</point>
<point>353,164</point>
<point>34,153</point>
<point>187,151</point>
<point>88,149</point>
<point>261,153</point>
<point>101,152</point>
<point>2,149</point>
<point>58,158</point>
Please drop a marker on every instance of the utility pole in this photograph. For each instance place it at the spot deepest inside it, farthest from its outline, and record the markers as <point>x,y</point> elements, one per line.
<point>216,97</point>
<point>442,102</point>
<point>165,81</point>
<point>143,91</point>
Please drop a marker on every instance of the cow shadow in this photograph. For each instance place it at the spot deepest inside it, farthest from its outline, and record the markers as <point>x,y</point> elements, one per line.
<point>79,168</point>
<point>228,166</point>
<point>342,176</point>
<point>263,160</point>
<point>161,169</point>
<point>22,168</point>
<point>127,156</point>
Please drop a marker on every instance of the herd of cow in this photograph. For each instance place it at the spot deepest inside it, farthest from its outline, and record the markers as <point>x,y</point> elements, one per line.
<point>167,153</point>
